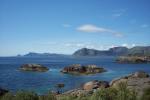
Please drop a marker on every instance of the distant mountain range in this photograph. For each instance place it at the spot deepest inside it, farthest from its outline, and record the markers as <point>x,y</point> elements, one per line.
<point>116,51</point>
<point>33,54</point>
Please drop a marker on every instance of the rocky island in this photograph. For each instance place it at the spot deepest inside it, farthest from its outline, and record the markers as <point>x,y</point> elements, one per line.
<point>33,67</point>
<point>82,69</point>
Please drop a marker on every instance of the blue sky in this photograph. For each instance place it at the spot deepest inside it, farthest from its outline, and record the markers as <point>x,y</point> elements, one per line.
<point>63,26</point>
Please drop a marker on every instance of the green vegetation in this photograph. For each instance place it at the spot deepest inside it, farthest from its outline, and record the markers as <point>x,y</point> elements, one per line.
<point>146,95</point>
<point>119,93</point>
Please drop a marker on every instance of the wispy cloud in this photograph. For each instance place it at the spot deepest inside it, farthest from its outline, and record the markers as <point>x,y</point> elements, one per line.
<point>95,29</point>
<point>118,13</point>
<point>99,46</point>
<point>66,25</point>
<point>80,45</point>
<point>144,25</point>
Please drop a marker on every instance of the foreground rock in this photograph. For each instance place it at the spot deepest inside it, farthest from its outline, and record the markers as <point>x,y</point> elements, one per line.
<point>95,84</point>
<point>88,88</point>
<point>133,59</point>
<point>137,81</point>
<point>81,69</point>
<point>3,91</point>
<point>33,67</point>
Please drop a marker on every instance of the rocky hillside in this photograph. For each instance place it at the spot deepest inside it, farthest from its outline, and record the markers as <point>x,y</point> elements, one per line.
<point>111,52</point>
<point>139,51</point>
<point>116,51</point>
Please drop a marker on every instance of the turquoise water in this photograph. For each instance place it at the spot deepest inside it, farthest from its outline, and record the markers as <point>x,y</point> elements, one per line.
<point>41,83</point>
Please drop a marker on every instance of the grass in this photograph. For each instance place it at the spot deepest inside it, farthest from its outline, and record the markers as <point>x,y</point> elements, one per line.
<point>146,95</point>
<point>119,93</point>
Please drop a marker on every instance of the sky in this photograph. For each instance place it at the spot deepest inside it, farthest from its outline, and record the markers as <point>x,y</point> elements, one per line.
<point>63,26</point>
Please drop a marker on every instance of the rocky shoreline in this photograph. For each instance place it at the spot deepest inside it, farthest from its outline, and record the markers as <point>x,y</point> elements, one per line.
<point>137,81</point>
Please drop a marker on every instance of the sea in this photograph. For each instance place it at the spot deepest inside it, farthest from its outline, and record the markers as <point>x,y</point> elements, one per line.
<point>43,82</point>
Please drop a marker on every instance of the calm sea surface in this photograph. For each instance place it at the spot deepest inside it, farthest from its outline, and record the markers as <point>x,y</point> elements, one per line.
<point>41,83</point>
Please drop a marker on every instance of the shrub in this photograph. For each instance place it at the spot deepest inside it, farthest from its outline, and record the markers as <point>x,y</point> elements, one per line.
<point>146,94</point>
<point>26,95</point>
<point>83,97</point>
<point>49,96</point>
<point>67,97</point>
<point>105,94</point>
<point>120,93</point>
<point>7,96</point>
<point>124,93</point>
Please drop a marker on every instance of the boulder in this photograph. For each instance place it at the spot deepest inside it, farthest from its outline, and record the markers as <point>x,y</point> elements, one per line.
<point>137,81</point>
<point>140,74</point>
<point>95,84</point>
<point>88,88</point>
<point>33,67</point>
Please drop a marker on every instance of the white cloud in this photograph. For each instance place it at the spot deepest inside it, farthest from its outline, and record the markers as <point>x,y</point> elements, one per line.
<point>66,25</point>
<point>133,45</point>
<point>91,28</point>
<point>125,45</point>
<point>144,26</point>
<point>95,29</point>
<point>128,45</point>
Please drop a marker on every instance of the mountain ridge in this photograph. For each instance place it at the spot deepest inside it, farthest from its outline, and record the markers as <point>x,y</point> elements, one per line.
<point>115,51</point>
<point>33,54</point>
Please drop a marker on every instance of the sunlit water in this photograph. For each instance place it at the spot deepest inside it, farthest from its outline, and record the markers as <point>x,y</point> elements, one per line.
<point>41,83</point>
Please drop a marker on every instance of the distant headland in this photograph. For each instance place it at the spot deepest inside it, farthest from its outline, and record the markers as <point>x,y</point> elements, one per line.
<point>115,51</point>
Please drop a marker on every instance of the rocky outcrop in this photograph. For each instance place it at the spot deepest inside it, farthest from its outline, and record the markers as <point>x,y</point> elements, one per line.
<point>133,59</point>
<point>95,84</point>
<point>137,81</point>
<point>3,91</point>
<point>82,69</point>
<point>33,67</point>
<point>88,88</point>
